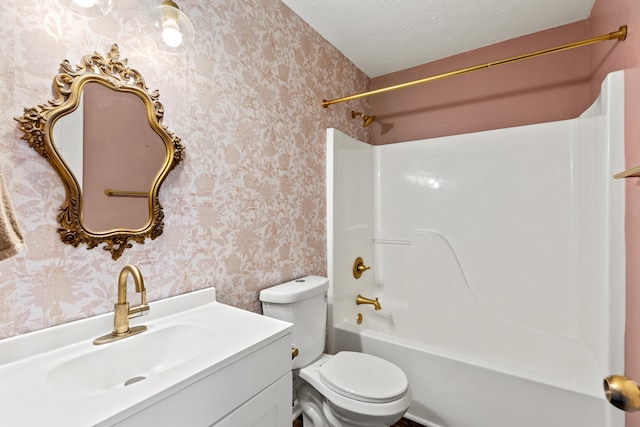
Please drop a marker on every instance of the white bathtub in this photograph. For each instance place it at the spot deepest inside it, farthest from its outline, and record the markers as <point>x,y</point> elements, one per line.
<point>498,258</point>
<point>452,391</point>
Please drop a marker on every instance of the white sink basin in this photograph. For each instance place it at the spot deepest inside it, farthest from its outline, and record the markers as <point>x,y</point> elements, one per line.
<point>58,377</point>
<point>131,360</point>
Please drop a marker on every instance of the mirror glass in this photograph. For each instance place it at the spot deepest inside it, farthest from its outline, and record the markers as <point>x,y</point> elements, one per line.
<point>108,135</point>
<point>103,135</point>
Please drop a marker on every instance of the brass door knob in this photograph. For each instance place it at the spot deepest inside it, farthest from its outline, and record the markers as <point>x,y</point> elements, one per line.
<point>359,267</point>
<point>294,353</point>
<point>622,393</point>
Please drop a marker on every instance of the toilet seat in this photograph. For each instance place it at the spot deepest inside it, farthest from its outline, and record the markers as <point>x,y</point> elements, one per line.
<point>349,403</point>
<point>363,377</point>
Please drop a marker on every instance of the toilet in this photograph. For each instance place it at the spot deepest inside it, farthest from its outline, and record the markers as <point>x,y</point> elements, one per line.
<point>343,390</point>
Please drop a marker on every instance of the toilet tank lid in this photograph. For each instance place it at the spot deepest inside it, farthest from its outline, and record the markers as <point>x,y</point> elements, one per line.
<point>295,290</point>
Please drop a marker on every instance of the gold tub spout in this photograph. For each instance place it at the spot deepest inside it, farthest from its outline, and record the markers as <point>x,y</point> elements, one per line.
<point>622,392</point>
<point>122,312</point>
<point>362,300</point>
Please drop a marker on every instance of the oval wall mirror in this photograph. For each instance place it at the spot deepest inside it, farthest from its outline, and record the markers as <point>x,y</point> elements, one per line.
<point>103,135</point>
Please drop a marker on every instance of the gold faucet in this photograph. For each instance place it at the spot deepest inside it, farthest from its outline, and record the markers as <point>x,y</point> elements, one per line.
<point>122,312</point>
<point>362,300</point>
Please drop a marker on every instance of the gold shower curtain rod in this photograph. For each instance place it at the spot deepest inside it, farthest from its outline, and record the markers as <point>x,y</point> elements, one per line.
<point>621,34</point>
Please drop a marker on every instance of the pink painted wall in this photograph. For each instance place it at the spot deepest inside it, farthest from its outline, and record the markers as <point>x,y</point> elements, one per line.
<point>505,96</point>
<point>553,87</point>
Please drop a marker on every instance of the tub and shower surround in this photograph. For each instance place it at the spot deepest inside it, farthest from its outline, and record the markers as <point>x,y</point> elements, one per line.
<point>498,258</point>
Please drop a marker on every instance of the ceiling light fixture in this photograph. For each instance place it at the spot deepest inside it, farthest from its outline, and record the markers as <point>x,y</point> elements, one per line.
<point>88,8</point>
<point>174,27</point>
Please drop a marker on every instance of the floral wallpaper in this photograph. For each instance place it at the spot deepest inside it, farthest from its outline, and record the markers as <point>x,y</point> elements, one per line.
<point>246,208</point>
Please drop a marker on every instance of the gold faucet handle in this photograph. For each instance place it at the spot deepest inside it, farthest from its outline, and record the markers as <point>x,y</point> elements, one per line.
<point>138,311</point>
<point>359,267</point>
<point>143,308</point>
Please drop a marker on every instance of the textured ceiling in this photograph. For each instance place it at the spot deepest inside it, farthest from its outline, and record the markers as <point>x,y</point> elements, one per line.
<point>383,36</point>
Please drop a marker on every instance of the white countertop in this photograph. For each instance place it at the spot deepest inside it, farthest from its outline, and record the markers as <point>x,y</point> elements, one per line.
<point>31,395</point>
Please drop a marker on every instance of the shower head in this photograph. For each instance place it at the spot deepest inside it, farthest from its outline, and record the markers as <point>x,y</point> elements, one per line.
<point>622,392</point>
<point>367,119</point>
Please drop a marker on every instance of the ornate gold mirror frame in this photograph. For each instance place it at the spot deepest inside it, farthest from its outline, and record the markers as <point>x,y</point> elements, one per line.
<point>38,123</point>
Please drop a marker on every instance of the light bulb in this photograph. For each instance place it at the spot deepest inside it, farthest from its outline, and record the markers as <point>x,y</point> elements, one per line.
<point>171,34</point>
<point>85,3</point>
<point>88,8</point>
<point>173,28</point>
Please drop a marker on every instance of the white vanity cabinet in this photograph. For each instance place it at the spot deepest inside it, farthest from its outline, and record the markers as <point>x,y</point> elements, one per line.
<point>252,391</point>
<point>199,363</point>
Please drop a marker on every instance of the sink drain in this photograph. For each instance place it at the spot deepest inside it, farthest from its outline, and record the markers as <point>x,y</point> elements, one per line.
<point>133,380</point>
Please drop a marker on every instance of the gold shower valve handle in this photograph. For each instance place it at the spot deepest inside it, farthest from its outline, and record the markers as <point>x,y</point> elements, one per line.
<point>359,267</point>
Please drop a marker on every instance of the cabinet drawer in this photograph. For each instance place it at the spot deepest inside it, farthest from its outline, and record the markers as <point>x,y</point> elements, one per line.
<point>270,408</point>
<point>211,398</point>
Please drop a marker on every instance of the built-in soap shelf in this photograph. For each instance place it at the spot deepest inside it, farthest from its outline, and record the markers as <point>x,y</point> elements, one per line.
<point>629,173</point>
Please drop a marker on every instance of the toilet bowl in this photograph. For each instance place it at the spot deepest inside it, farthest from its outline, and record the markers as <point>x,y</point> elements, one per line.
<point>358,389</point>
<point>348,389</point>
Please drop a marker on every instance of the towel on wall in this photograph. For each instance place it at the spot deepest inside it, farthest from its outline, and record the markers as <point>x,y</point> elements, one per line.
<point>11,240</point>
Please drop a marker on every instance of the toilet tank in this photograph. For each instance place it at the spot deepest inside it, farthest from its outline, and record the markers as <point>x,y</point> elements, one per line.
<point>302,302</point>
